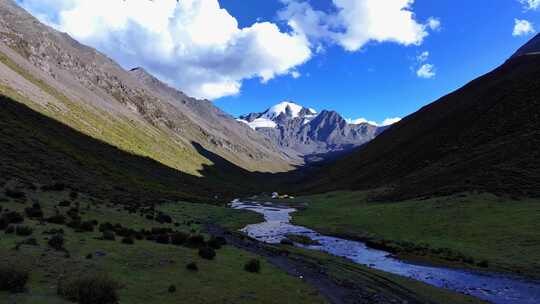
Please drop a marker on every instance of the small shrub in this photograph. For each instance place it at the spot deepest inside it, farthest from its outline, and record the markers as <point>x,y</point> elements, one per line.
<point>195,241</point>
<point>163,238</point>
<point>163,218</point>
<point>15,194</point>
<point>207,253</point>
<point>56,242</point>
<point>23,231</point>
<point>10,229</point>
<point>73,195</point>
<point>54,187</point>
<point>108,235</point>
<point>34,212</point>
<point>64,204</point>
<point>253,266</point>
<point>217,242</point>
<point>58,219</point>
<point>89,289</point>
<point>172,289</point>
<point>12,279</point>
<point>13,217</point>
<point>179,238</point>
<point>483,264</point>
<point>192,266</point>
<point>128,240</point>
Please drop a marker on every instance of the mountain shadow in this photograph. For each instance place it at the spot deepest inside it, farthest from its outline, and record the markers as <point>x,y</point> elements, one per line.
<point>39,151</point>
<point>483,137</point>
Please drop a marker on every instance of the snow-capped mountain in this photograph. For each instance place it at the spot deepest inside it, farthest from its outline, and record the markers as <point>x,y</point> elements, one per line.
<point>278,114</point>
<point>299,130</point>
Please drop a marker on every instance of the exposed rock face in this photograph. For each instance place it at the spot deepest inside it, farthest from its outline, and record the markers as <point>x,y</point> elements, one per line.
<point>303,131</point>
<point>108,96</point>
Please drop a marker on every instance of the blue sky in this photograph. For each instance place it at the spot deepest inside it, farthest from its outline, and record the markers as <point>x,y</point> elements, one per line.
<point>475,37</point>
<point>244,56</point>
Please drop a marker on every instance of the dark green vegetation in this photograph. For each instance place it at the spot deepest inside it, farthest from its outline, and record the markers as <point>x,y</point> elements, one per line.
<point>301,239</point>
<point>68,261</point>
<point>482,137</point>
<point>475,230</point>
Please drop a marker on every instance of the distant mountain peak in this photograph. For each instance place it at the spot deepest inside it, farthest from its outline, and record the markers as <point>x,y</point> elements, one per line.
<point>301,130</point>
<point>289,109</point>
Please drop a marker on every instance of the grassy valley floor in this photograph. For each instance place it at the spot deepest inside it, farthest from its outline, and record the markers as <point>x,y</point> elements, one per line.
<point>465,230</point>
<point>146,269</point>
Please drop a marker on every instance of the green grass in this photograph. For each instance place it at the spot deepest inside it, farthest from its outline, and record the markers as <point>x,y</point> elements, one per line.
<point>504,232</point>
<point>146,269</point>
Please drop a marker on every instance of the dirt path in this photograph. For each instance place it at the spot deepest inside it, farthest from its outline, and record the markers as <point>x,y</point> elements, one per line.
<point>333,291</point>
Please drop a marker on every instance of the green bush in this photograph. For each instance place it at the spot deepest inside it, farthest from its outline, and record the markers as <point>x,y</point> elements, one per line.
<point>128,240</point>
<point>179,238</point>
<point>89,289</point>
<point>195,241</point>
<point>253,266</point>
<point>15,194</point>
<point>172,289</point>
<point>207,253</point>
<point>163,238</point>
<point>108,235</point>
<point>192,266</point>
<point>12,279</point>
<point>217,242</point>
<point>23,230</point>
<point>56,242</point>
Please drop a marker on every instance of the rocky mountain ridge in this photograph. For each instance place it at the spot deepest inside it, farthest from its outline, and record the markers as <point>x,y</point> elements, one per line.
<point>56,75</point>
<point>302,131</point>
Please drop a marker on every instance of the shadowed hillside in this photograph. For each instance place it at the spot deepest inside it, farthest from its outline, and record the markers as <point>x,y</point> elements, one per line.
<point>485,137</point>
<point>39,150</point>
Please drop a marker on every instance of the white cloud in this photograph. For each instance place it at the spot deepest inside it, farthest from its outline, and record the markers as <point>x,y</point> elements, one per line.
<point>391,121</point>
<point>195,44</point>
<point>386,122</point>
<point>200,48</point>
<point>357,22</point>
<point>522,28</point>
<point>423,57</point>
<point>434,24</point>
<point>296,74</point>
<point>426,71</point>
<point>530,4</point>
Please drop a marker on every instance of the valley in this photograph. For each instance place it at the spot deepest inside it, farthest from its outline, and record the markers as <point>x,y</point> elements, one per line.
<point>117,186</point>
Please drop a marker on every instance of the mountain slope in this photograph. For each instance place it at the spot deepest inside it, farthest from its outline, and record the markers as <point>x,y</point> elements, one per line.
<point>302,131</point>
<point>485,137</point>
<point>55,75</point>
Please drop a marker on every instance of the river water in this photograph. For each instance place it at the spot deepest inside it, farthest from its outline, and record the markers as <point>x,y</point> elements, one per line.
<point>495,288</point>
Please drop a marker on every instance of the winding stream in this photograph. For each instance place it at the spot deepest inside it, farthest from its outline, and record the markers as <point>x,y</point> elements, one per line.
<point>495,288</point>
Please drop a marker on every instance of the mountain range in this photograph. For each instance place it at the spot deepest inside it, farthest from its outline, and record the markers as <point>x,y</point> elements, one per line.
<point>302,132</point>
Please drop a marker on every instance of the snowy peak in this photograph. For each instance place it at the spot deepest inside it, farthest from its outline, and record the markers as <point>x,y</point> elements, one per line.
<point>287,109</point>
<point>277,115</point>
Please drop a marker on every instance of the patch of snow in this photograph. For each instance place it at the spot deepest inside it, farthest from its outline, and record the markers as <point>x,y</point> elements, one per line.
<point>259,123</point>
<point>275,111</point>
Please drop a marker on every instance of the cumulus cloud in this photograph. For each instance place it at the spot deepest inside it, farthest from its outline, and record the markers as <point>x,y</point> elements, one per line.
<point>423,57</point>
<point>199,47</point>
<point>384,123</point>
<point>426,71</point>
<point>522,28</point>
<point>195,44</point>
<point>530,4</point>
<point>357,22</point>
